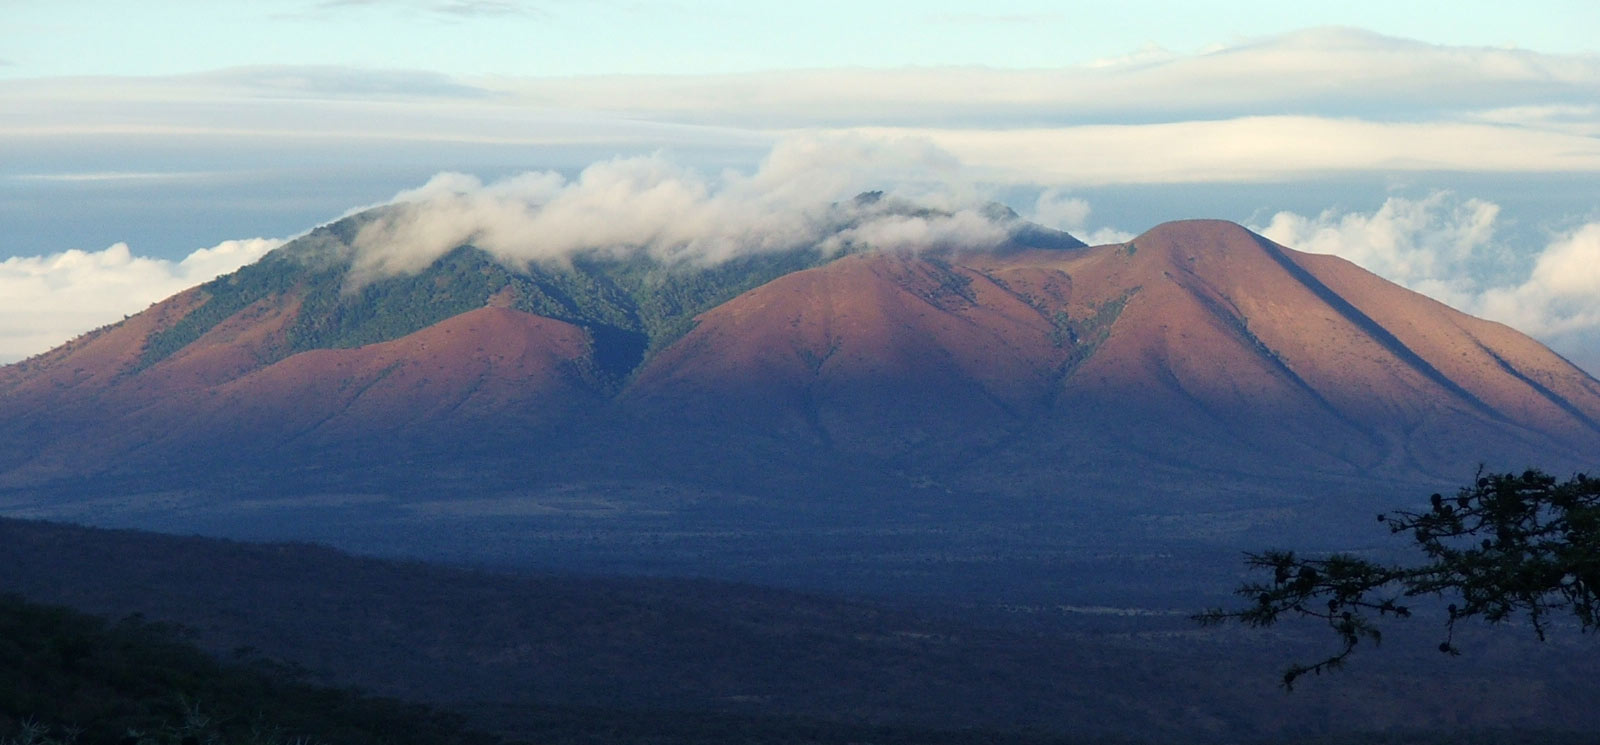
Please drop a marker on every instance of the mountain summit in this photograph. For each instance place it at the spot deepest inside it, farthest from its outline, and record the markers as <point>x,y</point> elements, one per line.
<point>1195,358</point>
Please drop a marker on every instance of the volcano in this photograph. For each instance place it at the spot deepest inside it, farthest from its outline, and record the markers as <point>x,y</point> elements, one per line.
<point>1194,364</point>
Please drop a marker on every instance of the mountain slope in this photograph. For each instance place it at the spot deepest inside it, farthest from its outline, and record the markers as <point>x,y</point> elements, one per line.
<point>1197,342</point>
<point>1197,367</point>
<point>1233,329</point>
<point>869,352</point>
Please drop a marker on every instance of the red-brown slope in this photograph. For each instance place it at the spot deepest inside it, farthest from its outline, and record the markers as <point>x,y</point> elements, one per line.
<point>1508,372</point>
<point>880,353</point>
<point>493,370</point>
<point>1198,344</point>
<point>66,394</point>
<point>1289,349</point>
<point>94,360</point>
<point>240,344</point>
<point>486,364</point>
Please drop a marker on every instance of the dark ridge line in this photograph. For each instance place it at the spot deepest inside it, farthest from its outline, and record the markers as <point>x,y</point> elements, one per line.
<point>1374,329</point>
<point>810,409</point>
<point>1549,395</point>
<point>1271,355</point>
<point>304,435</point>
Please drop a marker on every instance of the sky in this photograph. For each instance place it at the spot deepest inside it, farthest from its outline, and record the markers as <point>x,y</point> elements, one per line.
<point>1451,147</point>
<point>52,38</point>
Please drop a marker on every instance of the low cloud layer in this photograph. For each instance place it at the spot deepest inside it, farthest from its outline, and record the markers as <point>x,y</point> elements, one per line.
<point>1448,247</point>
<point>1320,72</point>
<point>801,195</point>
<point>1312,102</point>
<point>46,300</point>
<point>1256,148</point>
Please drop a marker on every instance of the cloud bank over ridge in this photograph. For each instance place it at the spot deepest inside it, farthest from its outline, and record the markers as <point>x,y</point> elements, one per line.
<point>1448,246</point>
<point>800,195</point>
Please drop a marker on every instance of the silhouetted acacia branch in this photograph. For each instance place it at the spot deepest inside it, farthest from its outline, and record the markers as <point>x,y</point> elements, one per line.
<point>1507,546</point>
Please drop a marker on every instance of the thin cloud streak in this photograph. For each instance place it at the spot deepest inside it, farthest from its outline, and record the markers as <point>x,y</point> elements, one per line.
<point>116,176</point>
<point>298,81</point>
<point>455,9</point>
<point>1245,149</point>
<point>1334,72</point>
<point>482,8</point>
<point>1256,149</point>
<point>994,19</point>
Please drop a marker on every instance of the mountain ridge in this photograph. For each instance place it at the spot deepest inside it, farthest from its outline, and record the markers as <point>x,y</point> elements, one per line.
<point>1198,360</point>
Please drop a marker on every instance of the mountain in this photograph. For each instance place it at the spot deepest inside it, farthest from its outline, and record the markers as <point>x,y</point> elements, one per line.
<point>1197,384</point>
<point>1197,341</point>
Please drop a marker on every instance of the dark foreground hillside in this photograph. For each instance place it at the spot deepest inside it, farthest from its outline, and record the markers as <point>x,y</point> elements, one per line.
<point>67,676</point>
<point>571,659</point>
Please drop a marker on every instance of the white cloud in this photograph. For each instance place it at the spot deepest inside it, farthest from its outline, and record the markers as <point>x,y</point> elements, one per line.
<point>1104,236</point>
<point>800,195</point>
<point>1439,245</point>
<point>1254,149</point>
<point>46,300</point>
<point>1575,119</point>
<point>1561,295</point>
<point>966,229</point>
<point>1446,247</point>
<point>1055,209</point>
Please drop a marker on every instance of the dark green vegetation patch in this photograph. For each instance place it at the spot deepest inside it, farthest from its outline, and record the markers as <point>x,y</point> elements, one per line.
<point>631,307</point>
<point>1085,334</point>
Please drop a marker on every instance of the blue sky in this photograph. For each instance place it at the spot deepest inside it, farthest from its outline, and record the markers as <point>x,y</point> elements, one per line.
<point>1451,147</point>
<point>567,37</point>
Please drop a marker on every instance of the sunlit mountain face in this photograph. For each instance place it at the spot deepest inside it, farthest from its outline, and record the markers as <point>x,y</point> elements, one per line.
<point>1197,383</point>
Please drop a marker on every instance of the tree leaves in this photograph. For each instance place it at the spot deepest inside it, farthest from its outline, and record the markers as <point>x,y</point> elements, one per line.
<point>1508,546</point>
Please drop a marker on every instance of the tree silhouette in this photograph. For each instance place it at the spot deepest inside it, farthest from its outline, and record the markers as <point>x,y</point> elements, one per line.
<point>1508,546</point>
